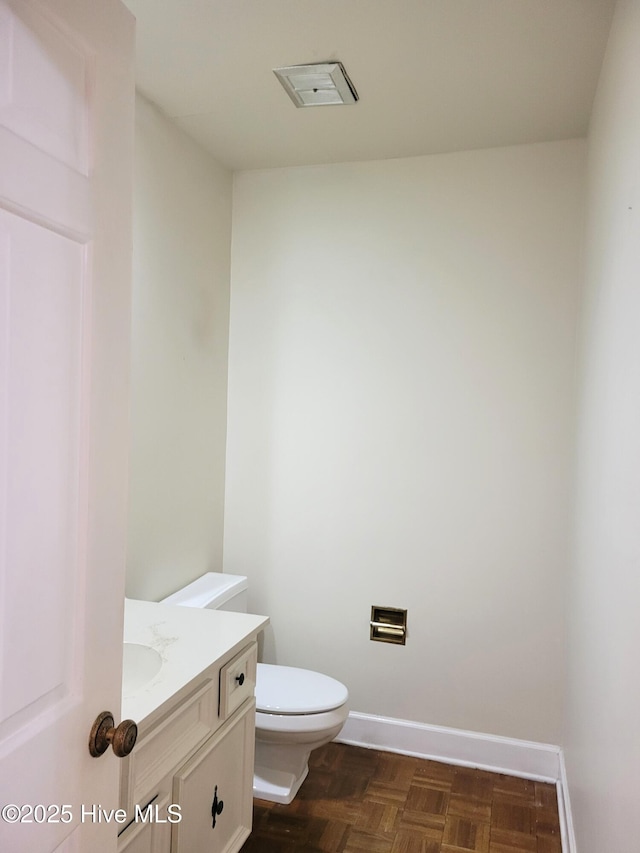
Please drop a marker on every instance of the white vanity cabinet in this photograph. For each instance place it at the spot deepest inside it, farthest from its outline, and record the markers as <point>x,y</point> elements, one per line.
<point>187,786</point>
<point>151,837</point>
<point>216,802</point>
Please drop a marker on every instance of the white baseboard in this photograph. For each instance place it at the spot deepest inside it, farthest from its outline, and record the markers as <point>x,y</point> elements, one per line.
<point>539,761</point>
<point>564,808</point>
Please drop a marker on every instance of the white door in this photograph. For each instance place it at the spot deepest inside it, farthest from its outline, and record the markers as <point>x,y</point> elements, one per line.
<point>66,128</point>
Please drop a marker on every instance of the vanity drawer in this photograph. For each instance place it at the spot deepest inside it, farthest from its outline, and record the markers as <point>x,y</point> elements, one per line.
<point>238,680</point>
<point>166,745</point>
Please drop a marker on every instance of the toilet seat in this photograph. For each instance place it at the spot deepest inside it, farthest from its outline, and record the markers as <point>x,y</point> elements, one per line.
<point>288,690</point>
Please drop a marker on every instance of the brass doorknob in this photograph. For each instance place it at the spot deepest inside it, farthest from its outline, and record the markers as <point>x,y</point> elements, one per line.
<point>104,732</point>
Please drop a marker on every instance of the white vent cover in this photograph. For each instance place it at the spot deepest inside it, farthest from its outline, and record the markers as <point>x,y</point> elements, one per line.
<point>317,85</point>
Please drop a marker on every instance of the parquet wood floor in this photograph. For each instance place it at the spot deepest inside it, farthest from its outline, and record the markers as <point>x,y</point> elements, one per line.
<point>364,801</point>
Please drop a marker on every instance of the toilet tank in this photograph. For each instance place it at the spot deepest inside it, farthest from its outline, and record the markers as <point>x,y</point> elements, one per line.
<point>214,591</point>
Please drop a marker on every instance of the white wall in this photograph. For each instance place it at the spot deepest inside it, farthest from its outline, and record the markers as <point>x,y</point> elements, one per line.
<point>401,413</point>
<point>603,681</point>
<point>182,235</point>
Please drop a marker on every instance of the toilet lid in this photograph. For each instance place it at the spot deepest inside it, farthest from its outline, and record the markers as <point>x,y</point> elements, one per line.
<point>289,690</point>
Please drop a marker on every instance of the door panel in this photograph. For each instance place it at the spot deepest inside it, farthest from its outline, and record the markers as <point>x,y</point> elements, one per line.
<point>40,453</point>
<point>52,117</point>
<point>66,128</point>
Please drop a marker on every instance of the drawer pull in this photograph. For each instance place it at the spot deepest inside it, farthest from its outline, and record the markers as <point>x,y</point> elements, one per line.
<point>240,679</point>
<point>216,807</point>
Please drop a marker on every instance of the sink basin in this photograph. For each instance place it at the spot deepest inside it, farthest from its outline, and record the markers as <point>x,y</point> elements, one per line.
<point>141,664</point>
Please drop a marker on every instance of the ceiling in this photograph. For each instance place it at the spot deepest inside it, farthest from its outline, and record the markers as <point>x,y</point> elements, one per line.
<point>432,75</point>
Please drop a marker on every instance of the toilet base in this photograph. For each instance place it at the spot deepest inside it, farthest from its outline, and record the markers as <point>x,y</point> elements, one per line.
<point>276,786</point>
<point>280,769</point>
<point>283,746</point>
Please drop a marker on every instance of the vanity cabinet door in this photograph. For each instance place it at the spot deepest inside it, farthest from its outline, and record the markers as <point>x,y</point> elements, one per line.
<point>215,790</point>
<point>148,837</point>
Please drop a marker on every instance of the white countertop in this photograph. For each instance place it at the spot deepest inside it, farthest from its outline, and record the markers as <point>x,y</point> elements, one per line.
<point>188,639</point>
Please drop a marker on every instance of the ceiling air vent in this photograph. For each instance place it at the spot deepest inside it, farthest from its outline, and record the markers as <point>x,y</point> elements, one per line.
<point>317,85</point>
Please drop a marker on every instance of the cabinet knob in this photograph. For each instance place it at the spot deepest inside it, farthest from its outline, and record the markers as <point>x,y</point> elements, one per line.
<point>104,732</point>
<point>240,679</point>
<point>216,807</point>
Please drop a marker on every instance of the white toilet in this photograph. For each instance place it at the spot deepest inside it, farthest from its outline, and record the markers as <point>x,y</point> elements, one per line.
<point>297,710</point>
